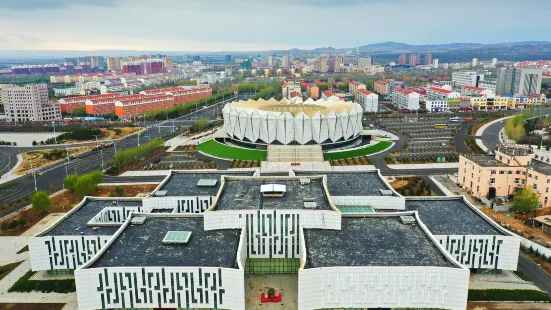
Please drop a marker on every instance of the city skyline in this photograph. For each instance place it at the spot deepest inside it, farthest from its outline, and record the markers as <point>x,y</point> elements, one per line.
<point>169,25</point>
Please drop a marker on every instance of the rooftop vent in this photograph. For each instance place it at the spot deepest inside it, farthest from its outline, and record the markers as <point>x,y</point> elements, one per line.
<point>177,237</point>
<point>114,202</point>
<point>308,199</point>
<point>407,219</point>
<point>160,193</point>
<point>310,205</point>
<point>207,182</point>
<point>304,181</point>
<point>138,220</point>
<point>273,190</point>
<point>385,192</point>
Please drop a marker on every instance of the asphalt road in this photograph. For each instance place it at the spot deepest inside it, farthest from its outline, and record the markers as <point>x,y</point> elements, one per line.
<point>460,137</point>
<point>54,175</point>
<point>490,137</point>
<point>540,277</point>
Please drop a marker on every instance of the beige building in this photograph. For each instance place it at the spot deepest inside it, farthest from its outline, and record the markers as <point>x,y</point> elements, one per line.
<point>115,63</point>
<point>501,174</point>
<point>29,103</point>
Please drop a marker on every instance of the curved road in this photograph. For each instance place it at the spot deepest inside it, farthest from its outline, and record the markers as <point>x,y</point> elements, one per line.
<point>490,136</point>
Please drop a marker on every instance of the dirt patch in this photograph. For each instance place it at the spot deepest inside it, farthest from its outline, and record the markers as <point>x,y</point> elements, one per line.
<point>117,133</point>
<point>516,224</point>
<point>505,306</point>
<point>26,218</point>
<point>412,186</point>
<point>40,306</point>
<point>37,159</point>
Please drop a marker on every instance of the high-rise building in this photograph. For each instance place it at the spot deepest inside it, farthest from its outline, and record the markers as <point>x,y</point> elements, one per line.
<point>335,64</point>
<point>414,59</point>
<point>167,63</point>
<point>402,59</point>
<point>428,59</point>
<point>285,61</point>
<point>321,65</point>
<point>494,62</point>
<point>446,66</point>
<point>29,103</point>
<point>365,61</point>
<point>519,81</point>
<point>114,63</point>
<point>474,62</point>
<point>271,61</point>
<point>435,63</point>
<point>228,59</point>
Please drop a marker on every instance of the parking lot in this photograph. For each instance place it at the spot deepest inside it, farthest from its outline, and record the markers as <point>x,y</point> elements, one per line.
<point>186,160</point>
<point>425,141</point>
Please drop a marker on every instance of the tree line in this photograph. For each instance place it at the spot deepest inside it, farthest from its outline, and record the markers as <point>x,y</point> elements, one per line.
<point>125,158</point>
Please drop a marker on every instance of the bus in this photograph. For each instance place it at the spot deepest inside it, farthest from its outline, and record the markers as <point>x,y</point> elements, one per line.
<point>440,126</point>
<point>454,120</point>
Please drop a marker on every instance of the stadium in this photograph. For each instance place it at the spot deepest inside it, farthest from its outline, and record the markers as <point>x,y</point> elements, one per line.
<point>289,123</point>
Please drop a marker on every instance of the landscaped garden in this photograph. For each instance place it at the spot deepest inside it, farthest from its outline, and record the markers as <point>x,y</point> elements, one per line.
<point>220,150</point>
<point>368,150</point>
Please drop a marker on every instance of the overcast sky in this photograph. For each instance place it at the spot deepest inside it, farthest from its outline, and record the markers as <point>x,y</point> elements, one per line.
<point>234,25</point>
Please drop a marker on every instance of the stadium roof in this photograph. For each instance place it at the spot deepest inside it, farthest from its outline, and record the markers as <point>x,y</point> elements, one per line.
<point>309,107</point>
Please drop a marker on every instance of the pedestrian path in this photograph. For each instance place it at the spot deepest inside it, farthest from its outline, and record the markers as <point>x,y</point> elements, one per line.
<point>425,166</point>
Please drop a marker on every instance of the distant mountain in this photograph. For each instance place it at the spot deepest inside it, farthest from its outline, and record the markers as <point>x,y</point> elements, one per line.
<point>390,47</point>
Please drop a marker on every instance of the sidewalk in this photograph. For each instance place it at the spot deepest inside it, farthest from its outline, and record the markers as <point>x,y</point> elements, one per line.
<point>144,173</point>
<point>425,166</point>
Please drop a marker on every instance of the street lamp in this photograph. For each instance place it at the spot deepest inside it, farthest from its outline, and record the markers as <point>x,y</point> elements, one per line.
<point>55,138</point>
<point>34,175</point>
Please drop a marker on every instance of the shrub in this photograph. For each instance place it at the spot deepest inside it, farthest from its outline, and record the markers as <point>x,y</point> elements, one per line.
<point>117,192</point>
<point>24,284</point>
<point>70,181</point>
<point>41,201</point>
<point>507,295</point>
<point>85,186</point>
<point>112,170</point>
<point>96,176</point>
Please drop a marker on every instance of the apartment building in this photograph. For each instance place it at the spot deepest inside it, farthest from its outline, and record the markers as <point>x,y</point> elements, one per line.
<point>405,99</point>
<point>472,91</point>
<point>526,101</point>
<point>368,100</point>
<point>436,105</point>
<point>464,78</point>
<point>68,104</point>
<point>105,105</point>
<point>381,88</point>
<point>181,95</point>
<point>29,103</point>
<point>502,174</point>
<point>136,106</point>
<point>435,93</point>
<point>519,81</point>
<point>354,86</point>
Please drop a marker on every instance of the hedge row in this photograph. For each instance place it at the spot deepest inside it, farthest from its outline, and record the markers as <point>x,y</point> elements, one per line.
<point>508,295</point>
<point>25,284</point>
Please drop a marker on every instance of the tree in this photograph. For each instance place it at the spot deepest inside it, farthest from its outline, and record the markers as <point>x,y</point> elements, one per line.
<point>79,111</point>
<point>34,142</point>
<point>84,186</point>
<point>15,144</point>
<point>41,201</point>
<point>200,124</point>
<point>526,200</point>
<point>70,181</point>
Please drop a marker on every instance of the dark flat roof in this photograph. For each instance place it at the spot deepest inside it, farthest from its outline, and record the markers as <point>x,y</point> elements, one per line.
<point>76,223</point>
<point>351,183</point>
<point>372,241</point>
<point>451,217</point>
<point>141,245</point>
<point>541,167</point>
<point>486,161</point>
<point>185,184</point>
<point>244,194</point>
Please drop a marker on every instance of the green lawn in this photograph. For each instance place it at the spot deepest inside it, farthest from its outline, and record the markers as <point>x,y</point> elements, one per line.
<point>6,269</point>
<point>217,149</point>
<point>382,145</point>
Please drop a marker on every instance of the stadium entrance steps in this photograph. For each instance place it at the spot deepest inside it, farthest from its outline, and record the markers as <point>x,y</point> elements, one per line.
<point>295,153</point>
